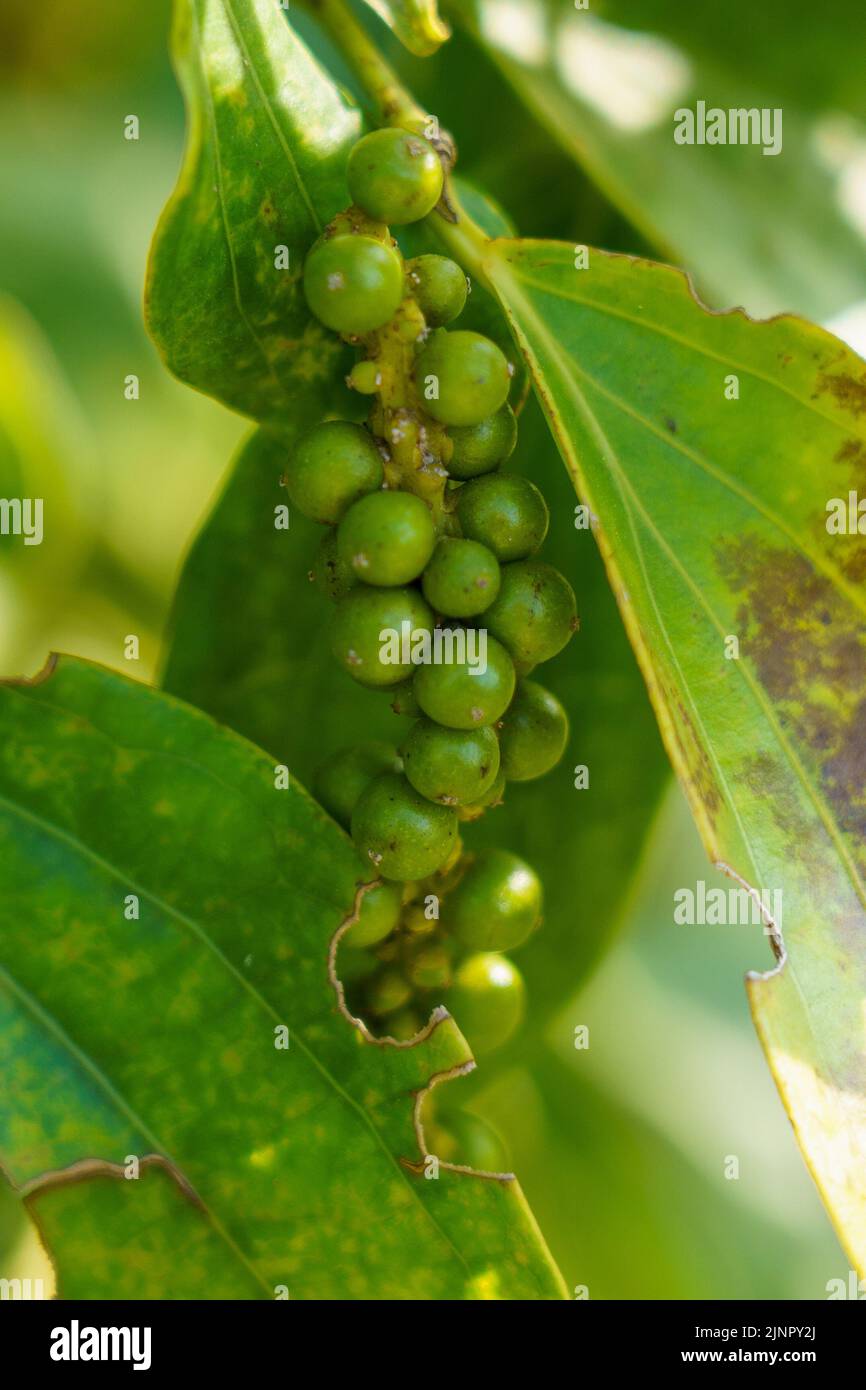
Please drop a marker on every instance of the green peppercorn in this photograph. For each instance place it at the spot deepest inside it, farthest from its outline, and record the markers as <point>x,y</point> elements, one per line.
<point>461,376</point>
<point>404,835</point>
<point>534,733</point>
<point>482,447</point>
<point>439,287</point>
<point>535,614</point>
<point>386,538</point>
<point>450,765</point>
<point>378,915</point>
<point>340,780</point>
<point>359,621</point>
<point>493,797</point>
<point>461,579</point>
<point>353,283</point>
<point>416,921</point>
<point>403,699</point>
<point>505,512</point>
<point>365,376</point>
<point>394,176</point>
<point>428,964</point>
<point>496,904</point>
<point>487,1000</point>
<point>462,696</point>
<point>330,468</point>
<point>387,992</point>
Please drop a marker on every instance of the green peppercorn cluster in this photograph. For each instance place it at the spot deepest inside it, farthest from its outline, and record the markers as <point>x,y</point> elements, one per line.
<point>425,532</point>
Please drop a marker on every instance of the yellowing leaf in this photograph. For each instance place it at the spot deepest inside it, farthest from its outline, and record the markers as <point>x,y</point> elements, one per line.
<point>708,448</point>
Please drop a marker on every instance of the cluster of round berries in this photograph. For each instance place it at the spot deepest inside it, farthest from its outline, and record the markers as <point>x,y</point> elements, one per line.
<point>425,536</point>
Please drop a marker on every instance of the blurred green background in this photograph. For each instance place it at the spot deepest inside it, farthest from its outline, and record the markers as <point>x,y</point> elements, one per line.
<point>622,1147</point>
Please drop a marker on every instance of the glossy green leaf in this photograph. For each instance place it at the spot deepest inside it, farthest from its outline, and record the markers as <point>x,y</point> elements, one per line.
<point>708,447</point>
<point>771,232</point>
<point>116,1237</point>
<point>250,644</point>
<point>416,23</point>
<point>267,141</point>
<point>167,912</point>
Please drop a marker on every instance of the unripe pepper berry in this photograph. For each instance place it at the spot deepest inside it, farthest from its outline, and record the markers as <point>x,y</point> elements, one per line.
<point>461,377</point>
<point>464,697</point>
<point>496,904</point>
<point>487,1000</point>
<point>438,286</point>
<point>330,467</point>
<point>340,780</point>
<point>450,766</point>
<point>386,538</point>
<point>378,915</point>
<point>404,835</point>
<point>492,797</point>
<point>462,578</point>
<point>534,733</point>
<point>482,447</point>
<point>505,512</point>
<point>387,992</point>
<point>394,176</point>
<point>428,964</point>
<point>356,632</point>
<point>535,614</point>
<point>353,283</point>
<point>403,699</point>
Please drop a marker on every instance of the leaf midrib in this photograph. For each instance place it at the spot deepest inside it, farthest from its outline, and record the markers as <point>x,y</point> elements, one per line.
<point>281,139</point>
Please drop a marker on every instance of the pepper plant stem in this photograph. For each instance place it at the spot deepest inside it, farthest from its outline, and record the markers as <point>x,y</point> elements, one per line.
<point>393,105</point>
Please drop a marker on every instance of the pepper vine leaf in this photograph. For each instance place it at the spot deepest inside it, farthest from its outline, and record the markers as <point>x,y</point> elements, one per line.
<point>164,991</point>
<point>718,456</point>
<point>263,172</point>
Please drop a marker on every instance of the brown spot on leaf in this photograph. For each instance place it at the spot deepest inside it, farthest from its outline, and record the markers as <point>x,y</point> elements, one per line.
<point>806,642</point>
<point>852,451</point>
<point>848,391</point>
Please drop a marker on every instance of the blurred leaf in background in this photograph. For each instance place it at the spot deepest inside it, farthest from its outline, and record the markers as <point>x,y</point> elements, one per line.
<point>775,232</point>
<point>73,243</point>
